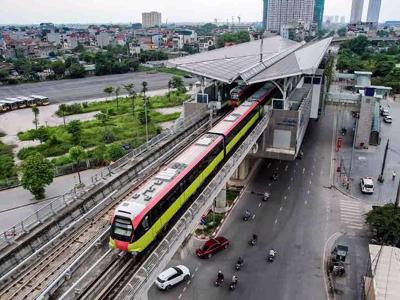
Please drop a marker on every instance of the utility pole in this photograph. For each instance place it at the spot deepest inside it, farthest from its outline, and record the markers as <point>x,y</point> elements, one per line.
<point>352,148</point>
<point>380,178</point>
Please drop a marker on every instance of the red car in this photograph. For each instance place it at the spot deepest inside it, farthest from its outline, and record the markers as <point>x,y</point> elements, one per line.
<point>212,246</point>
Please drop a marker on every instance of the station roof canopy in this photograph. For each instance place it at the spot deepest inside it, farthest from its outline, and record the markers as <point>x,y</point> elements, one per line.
<point>280,58</point>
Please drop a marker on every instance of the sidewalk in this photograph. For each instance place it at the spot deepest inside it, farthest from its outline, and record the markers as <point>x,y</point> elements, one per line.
<point>368,162</point>
<point>18,203</point>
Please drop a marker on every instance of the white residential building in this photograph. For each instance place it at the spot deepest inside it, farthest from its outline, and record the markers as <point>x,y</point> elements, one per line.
<point>374,8</point>
<point>356,11</point>
<point>103,39</point>
<point>54,37</point>
<point>151,19</point>
<point>282,12</point>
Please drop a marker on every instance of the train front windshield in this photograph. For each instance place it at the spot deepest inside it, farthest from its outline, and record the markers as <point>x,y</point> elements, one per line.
<point>122,229</point>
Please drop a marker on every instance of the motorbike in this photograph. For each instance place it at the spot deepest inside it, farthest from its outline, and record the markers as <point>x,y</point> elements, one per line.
<point>238,266</point>
<point>247,215</point>
<point>232,286</point>
<point>252,242</point>
<point>219,281</point>
<point>266,196</point>
<point>271,256</point>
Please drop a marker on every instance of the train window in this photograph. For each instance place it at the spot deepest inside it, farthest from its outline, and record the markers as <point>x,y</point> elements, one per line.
<point>122,227</point>
<point>145,223</point>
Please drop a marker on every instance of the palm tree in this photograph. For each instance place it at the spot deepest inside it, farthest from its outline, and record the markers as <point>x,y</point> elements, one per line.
<point>108,90</point>
<point>132,94</point>
<point>117,91</point>
<point>35,111</point>
<point>144,90</point>
<point>62,109</point>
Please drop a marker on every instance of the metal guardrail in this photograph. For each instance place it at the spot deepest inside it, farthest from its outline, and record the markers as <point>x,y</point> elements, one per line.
<point>157,261</point>
<point>8,236</point>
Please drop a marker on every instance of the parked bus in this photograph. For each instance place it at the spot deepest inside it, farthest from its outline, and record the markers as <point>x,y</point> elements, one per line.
<point>29,100</point>
<point>11,104</point>
<point>4,106</point>
<point>41,100</point>
<point>20,103</point>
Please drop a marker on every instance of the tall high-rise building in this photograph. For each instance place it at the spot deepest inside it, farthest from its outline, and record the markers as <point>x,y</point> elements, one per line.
<point>319,12</point>
<point>374,9</point>
<point>265,13</point>
<point>151,19</point>
<point>356,11</point>
<point>282,12</point>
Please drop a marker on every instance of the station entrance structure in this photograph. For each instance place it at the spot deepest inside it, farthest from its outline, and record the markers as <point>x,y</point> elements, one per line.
<point>294,68</point>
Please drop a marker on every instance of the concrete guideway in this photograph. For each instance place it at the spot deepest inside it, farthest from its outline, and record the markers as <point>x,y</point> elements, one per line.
<point>157,261</point>
<point>22,247</point>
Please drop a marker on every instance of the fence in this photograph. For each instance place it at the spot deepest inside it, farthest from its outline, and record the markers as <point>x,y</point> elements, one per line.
<point>10,235</point>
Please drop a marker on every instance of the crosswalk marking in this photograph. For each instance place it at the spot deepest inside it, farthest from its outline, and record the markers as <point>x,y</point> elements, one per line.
<point>351,214</point>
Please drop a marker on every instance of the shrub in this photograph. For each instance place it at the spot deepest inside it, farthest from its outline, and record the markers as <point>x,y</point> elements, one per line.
<point>114,152</point>
<point>108,137</point>
<point>2,133</point>
<point>85,105</point>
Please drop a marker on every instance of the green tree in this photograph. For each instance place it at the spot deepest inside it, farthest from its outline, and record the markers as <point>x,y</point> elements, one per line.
<point>75,129</point>
<point>385,221</point>
<point>108,90</point>
<point>117,92</point>
<point>3,74</point>
<point>35,111</point>
<point>58,67</point>
<point>76,71</point>
<point>114,152</point>
<point>130,89</point>
<point>102,118</point>
<point>99,153</point>
<point>342,31</point>
<point>77,154</point>
<point>393,80</point>
<point>42,134</point>
<point>177,82</point>
<point>37,172</point>
<point>62,108</point>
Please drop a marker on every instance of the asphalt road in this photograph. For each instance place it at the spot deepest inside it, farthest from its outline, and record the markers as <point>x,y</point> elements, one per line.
<point>368,162</point>
<point>86,88</point>
<point>301,216</point>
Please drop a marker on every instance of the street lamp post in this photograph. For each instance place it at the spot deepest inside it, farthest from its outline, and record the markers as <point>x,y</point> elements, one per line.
<point>380,178</point>
<point>145,117</point>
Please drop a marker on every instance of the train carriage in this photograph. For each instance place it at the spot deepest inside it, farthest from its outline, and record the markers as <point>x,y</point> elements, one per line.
<point>138,220</point>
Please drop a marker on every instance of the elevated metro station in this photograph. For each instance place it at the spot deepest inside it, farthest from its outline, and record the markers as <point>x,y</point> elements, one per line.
<point>235,73</point>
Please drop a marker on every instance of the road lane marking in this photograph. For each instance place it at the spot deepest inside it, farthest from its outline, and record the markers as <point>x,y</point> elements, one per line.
<point>308,192</point>
<point>196,269</point>
<point>284,198</point>
<point>312,174</point>
<point>291,178</point>
<point>280,209</point>
<point>188,282</point>
<point>269,165</point>
<point>269,184</point>
<point>286,168</point>
<point>276,221</point>
<point>259,204</point>
<point>253,216</point>
<point>192,275</point>
<point>180,296</point>
<point>304,170</point>
<point>184,289</point>
<point>288,187</point>
<point>310,181</point>
<point>305,202</point>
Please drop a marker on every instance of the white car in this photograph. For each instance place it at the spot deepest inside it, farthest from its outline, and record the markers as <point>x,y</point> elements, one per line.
<point>172,276</point>
<point>367,185</point>
<point>387,119</point>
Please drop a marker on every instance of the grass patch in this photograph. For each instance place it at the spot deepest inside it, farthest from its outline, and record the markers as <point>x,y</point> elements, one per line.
<point>7,167</point>
<point>231,195</point>
<point>124,105</point>
<point>121,126</point>
<point>212,222</point>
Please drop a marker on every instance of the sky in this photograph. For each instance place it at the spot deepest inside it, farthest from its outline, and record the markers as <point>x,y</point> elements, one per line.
<point>127,11</point>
